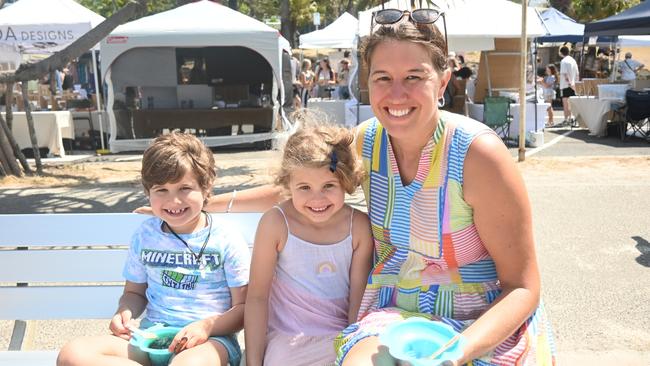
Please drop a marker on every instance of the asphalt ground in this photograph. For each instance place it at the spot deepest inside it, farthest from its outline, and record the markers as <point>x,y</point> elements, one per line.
<point>590,199</point>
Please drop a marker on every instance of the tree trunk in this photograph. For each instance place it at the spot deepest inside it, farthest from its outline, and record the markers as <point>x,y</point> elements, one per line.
<point>4,129</point>
<point>58,60</point>
<point>285,21</point>
<point>6,155</point>
<point>32,131</point>
<point>9,101</point>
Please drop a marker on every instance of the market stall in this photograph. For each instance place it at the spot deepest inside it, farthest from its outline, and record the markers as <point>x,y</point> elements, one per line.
<point>202,68</point>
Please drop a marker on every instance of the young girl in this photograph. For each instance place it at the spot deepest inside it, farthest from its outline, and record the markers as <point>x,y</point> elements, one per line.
<point>312,254</point>
<point>185,268</point>
<point>548,85</point>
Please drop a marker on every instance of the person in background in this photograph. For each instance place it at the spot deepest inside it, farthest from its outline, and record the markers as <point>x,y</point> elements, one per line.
<point>295,82</point>
<point>343,79</point>
<point>568,77</point>
<point>185,268</point>
<point>548,83</point>
<point>306,79</point>
<point>325,79</point>
<point>629,67</point>
<point>312,254</point>
<point>67,82</point>
<point>602,63</point>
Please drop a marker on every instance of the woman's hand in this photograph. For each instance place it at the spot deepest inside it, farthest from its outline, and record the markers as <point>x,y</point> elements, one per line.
<point>118,324</point>
<point>144,210</point>
<point>195,333</point>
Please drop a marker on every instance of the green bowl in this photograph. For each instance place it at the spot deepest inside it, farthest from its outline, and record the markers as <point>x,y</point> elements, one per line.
<point>157,356</point>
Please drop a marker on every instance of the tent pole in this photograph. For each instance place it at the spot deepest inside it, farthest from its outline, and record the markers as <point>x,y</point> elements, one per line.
<point>98,99</point>
<point>522,84</point>
<point>533,52</point>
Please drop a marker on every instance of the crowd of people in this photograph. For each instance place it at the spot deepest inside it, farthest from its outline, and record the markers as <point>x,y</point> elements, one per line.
<point>320,79</point>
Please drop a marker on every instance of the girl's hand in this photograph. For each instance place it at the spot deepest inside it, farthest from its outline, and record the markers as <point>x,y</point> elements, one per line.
<point>195,333</point>
<point>118,324</point>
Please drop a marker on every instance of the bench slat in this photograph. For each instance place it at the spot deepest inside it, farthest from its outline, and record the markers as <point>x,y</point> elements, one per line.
<point>95,229</point>
<point>68,229</point>
<point>59,302</point>
<point>28,358</point>
<point>62,265</point>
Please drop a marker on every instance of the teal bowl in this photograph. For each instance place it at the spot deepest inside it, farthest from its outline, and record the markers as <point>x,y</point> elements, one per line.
<point>415,339</point>
<point>157,356</point>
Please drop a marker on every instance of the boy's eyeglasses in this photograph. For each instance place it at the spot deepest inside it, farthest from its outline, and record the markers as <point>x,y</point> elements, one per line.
<point>417,16</point>
<point>422,16</point>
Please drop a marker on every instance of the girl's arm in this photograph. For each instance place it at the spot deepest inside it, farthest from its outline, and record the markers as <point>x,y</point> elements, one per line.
<point>258,199</point>
<point>131,305</point>
<point>361,262</point>
<point>229,322</point>
<point>265,256</point>
<point>502,215</point>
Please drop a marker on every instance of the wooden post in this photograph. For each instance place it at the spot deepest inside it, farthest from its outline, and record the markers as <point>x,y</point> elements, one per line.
<point>9,101</point>
<point>14,145</point>
<point>6,155</point>
<point>32,131</point>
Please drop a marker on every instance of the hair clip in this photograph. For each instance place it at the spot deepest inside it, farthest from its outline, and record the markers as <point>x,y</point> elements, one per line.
<point>333,161</point>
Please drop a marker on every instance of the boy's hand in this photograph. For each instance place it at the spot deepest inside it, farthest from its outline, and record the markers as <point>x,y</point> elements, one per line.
<point>195,333</point>
<point>118,322</point>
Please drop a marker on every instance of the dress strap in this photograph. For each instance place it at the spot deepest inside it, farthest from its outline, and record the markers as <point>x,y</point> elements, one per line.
<point>351,219</point>
<point>285,217</point>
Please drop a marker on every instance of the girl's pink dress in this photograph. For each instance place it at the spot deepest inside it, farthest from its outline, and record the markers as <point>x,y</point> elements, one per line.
<point>308,304</point>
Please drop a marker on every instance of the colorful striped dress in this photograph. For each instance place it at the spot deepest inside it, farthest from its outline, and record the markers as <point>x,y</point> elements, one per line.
<point>429,259</point>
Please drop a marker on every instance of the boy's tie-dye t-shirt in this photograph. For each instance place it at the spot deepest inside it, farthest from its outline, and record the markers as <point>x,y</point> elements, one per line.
<point>179,290</point>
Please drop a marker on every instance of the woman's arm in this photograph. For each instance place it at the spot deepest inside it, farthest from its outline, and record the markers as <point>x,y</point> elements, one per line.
<point>361,262</point>
<point>258,199</point>
<point>131,305</point>
<point>265,256</point>
<point>502,215</point>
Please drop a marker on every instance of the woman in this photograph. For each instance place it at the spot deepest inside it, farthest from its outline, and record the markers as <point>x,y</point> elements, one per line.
<point>548,83</point>
<point>306,79</point>
<point>449,212</point>
<point>325,79</point>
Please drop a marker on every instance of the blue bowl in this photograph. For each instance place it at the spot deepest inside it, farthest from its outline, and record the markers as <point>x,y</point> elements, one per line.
<point>415,339</point>
<point>157,356</point>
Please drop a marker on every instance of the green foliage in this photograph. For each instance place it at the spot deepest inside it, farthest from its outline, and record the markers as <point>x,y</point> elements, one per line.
<point>584,11</point>
<point>106,8</point>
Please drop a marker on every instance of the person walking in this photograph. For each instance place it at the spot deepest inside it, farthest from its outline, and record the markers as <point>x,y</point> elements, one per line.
<point>568,77</point>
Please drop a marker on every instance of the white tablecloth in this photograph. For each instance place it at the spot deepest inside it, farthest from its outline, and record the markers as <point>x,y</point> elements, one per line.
<point>334,109</point>
<point>475,111</point>
<point>51,128</point>
<point>591,113</point>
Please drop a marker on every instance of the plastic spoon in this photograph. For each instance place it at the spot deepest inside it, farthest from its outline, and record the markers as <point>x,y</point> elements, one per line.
<point>141,333</point>
<point>444,348</point>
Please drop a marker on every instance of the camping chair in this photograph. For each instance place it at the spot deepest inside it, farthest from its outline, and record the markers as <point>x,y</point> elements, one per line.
<point>637,113</point>
<point>496,115</point>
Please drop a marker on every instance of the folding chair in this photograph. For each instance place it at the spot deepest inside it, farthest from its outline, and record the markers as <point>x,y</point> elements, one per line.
<point>496,115</point>
<point>637,112</point>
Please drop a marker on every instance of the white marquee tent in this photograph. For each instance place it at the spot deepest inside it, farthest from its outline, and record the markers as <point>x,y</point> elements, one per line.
<point>342,33</point>
<point>45,26</point>
<point>195,25</point>
<point>472,25</point>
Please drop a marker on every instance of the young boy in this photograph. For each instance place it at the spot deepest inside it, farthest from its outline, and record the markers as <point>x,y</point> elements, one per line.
<point>184,268</point>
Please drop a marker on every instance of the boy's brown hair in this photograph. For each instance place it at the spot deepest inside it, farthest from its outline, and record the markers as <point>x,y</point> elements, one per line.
<point>173,155</point>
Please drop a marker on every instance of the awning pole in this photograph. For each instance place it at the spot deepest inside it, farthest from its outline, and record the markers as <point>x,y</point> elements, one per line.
<point>522,85</point>
<point>98,100</point>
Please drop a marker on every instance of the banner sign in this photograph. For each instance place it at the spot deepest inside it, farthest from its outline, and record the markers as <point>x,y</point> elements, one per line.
<point>42,38</point>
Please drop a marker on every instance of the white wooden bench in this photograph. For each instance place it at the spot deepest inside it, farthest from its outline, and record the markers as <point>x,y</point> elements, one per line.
<point>68,266</point>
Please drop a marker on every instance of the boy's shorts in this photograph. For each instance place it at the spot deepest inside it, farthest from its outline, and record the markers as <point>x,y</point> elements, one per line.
<point>228,341</point>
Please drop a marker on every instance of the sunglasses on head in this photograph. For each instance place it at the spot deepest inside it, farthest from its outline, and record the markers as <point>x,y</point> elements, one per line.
<point>421,16</point>
<point>417,16</point>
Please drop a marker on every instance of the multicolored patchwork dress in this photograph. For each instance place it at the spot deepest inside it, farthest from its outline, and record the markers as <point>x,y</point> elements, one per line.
<point>429,259</point>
